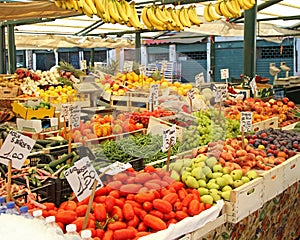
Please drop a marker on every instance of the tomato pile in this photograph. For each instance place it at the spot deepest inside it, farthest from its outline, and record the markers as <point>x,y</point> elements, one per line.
<point>132,204</point>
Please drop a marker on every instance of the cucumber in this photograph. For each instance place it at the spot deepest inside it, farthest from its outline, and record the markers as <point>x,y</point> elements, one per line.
<point>63,159</point>
<point>53,144</point>
<point>49,169</point>
<point>38,146</point>
<point>43,142</point>
<point>75,158</point>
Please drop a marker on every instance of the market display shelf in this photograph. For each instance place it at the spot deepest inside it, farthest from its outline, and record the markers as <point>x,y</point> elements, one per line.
<point>244,200</point>
<point>265,124</point>
<point>291,173</point>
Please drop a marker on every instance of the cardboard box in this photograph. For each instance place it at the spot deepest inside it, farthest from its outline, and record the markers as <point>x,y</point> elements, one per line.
<point>29,113</point>
<point>36,125</point>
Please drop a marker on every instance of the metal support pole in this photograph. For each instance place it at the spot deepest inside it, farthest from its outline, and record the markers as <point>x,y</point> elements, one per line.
<point>212,59</point>
<point>250,42</point>
<point>138,47</point>
<point>11,49</point>
<point>2,50</point>
<point>92,58</point>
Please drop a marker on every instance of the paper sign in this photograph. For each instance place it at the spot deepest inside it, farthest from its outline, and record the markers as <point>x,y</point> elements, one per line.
<point>65,111</point>
<point>154,92</point>
<point>83,64</point>
<point>70,111</point>
<point>115,168</point>
<point>253,86</point>
<point>246,121</point>
<point>81,178</point>
<point>142,69</point>
<point>221,92</point>
<point>16,148</point>
<point>128,66</point>
<point>225,73</point>
<point>168,136</point>
<point>164,65</point>
<point>199,79</point>
<point>191,93</point>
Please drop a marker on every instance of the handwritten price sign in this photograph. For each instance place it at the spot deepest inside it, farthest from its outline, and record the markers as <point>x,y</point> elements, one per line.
<point>154,92</point>
<point>253,86</point>
<point>199,79</point>
<point>169,136</point>
<point>16,148</point>
<point>225,73</point>
<point>115,168</point>
<point>83,65</point>
<point>246,121</point>
<point>71,113</point>
<point>191,94</point>
<point>142,69</point>
<point>81,178</point>
<point>221,92</point>
<point>128,66</point>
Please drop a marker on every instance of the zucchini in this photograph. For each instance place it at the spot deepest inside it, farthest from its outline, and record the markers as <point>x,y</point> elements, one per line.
<point>48,169</point>
<point>38,146</point>
<point>43,142</point>
<point>75,158</point>
<point>53,144</point>
<point>63,159</point>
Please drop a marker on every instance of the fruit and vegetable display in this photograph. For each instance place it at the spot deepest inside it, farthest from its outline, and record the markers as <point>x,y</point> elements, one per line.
<point>58,94</point>
<point>262,110</point>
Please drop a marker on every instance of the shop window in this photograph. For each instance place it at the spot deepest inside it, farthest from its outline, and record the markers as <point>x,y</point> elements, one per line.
<point>275,52</point>
<point>200,55</point>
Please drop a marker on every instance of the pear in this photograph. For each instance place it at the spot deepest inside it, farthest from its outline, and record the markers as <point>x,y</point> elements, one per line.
<point>221,181</point>
<point>197,173</point>
<point>198,164</point>
<point>218,168</point>
<point>207,171</point>
<point>207,199</point>
<point>185,175</point>
<point>175,175</point>
<point>212,185</point>
<point>211,161</point>
<point>226,195</point>
<point>212,180</point>
<point>191,182</point>
<point>217,174</point>
<point>178,164</point>
<point>215,194</point>
<point>226,188</point>
<point>189,169</point>
<point>202,183</point>
<point>245,179</point>
<point>187,162</point>
<point>228,177</point>
<point>226,170</point>
<point>171,166</point>
<point>201,158</point>
<point>251,174</point>
<point>236,174</point>
<point>183,169</point>
<point>203,191</point>
<point>237,183</point>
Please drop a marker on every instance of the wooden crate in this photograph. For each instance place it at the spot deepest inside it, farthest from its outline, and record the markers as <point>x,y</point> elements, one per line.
<point>291,171</point>
<point>289,127</point>
<point>82,100</point>
<point>268,123</point>
<point>10,92</point>
<point>244,200</point>
<point>272,182</point>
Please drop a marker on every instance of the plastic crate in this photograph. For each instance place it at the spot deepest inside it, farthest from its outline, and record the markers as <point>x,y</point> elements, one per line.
<point>39,158</point>
<point>63,191</point>
<point>84,151</point>
<point>137,163</point>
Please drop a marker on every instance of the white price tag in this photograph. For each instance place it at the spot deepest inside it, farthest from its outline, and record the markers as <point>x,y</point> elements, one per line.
<point>65,111</point>
<point>128,66</point>
<point>83,65</point>
<point>199,79</point>
<point>115,168</point>
<point>16,148</point>
<point>154,92</point>
<point>221,92</point>
<point>142,69</point>
<point>75,115</point>
<point>164,65</point>
<point>81,178</point>
<point>225,73</point>
<point>191,94</point>
<point>246,121</point>
<point>169,136</point>
<point>253,86</point>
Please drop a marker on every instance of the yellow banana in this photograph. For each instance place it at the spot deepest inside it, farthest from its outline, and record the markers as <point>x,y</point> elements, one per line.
<point>58,3</point>
<point>217,8</point>
<point>169,16</point>
<point>237,7</point>
<point>68,4</point>
<point>225,12</point>
<point>175,18</point>
<point>252,2</point>
<point>206,15</point>
<point>247,4</point>
<point>231,8</point>
<point>86,9</point>
<point>212,13</point>
<point>241,4</point>
<point>106,11</point>
<point>91,4</point>
<point>80,4</point>
<point>182,17</point>
<point>188,21</point>
<point>75,5</point>
<point>145,18</point>
<point>153,20</point>
<point>121,11</point>
<point>160,16</point>
<point>100,9</point>
<point>127,8</point>
<point>113,12</point>
<point>193,16</point>
<point>133,18</point>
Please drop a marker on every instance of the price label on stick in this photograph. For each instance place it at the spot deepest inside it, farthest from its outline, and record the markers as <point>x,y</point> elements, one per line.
<point>169,136</point>
<point>75,115</point>
<point>220,92</point>
<point>154,92</point>
<point>191,94</point>
<point>142,69</point>
<point>16,148</point>
<point>164,65</point>
<point>225,73</point>
<point>246,121</point>
<point>83,65</point>
<point>81,178</point>
<point>128,66</point>
<point>253,87</point>
<point>199,79</point>
<point>115,168</point>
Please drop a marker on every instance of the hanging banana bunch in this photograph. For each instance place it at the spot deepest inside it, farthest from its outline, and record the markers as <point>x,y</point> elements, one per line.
<point>226,8</point>
<point>172,19</point>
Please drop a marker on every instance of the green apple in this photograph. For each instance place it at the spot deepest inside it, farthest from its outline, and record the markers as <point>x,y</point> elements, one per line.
<point>202,183</point>
<point>218,168</point>
<point>236,174</point>
<point>245,179</point>
<point>207,199</point>
<point>217,174</point>
<point>237,183</point>
<point>226,195</point>
<point>221,181</point>
<point>228,177</point>
<point>226,188</point>
<point>203,191</point>
<point>251,174</point>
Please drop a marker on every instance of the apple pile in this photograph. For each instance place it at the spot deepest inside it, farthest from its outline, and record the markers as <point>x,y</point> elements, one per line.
<point>262,110</point>
<point>213,181</point>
